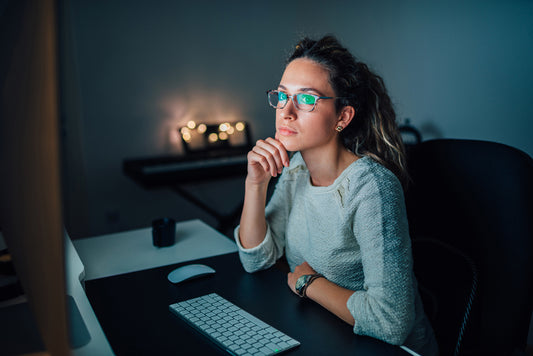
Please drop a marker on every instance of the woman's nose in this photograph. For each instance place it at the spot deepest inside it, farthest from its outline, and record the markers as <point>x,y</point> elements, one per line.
<point>289,112</point>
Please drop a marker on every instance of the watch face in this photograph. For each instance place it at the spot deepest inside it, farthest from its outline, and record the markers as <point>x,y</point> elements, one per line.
<point>300,283</point>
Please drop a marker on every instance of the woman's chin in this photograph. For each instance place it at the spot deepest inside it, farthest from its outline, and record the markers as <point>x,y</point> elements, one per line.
<point>288,143</point>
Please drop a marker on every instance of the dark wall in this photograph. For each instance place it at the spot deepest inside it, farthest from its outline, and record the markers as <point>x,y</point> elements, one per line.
<point>136,70</point>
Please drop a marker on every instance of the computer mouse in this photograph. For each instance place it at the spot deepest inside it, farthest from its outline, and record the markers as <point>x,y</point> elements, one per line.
<point>187,272</point>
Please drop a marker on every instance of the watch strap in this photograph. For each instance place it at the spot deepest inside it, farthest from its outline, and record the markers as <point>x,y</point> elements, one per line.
<point>311,279</point>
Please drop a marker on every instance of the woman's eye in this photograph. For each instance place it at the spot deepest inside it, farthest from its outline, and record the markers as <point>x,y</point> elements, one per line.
<point>307,99</point>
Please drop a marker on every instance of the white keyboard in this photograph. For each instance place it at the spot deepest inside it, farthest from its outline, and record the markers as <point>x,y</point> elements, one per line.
<point>231,328</point>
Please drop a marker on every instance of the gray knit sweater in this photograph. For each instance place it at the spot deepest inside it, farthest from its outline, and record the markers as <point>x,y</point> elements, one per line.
<point>355,233</point>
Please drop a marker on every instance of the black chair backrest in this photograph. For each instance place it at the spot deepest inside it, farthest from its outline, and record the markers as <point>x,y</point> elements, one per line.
<point>438,266</point>
<point>477,196</point>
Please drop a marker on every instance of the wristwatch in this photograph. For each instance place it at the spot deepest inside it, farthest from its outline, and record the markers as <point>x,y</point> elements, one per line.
<point>304,281</point>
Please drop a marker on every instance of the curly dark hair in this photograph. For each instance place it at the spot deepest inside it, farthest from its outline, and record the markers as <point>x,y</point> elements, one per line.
<point>374,131</point>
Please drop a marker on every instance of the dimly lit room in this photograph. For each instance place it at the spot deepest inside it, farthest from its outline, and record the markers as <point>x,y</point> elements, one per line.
<point>132,131</point>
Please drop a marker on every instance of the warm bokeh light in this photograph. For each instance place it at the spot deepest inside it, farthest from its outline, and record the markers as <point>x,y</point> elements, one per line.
<point>186,136</point>
<point>188,108</point>
<point>201,128</point>
<point>239,126</point>
<point>193,134</point>
<point>213,137</point>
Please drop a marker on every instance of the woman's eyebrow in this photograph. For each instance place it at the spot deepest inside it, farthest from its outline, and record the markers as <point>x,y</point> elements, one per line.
<point>305,90</point>
<point>312,90</point>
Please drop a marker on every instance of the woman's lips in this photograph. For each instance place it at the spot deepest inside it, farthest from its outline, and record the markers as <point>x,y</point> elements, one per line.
<point>286,131</point>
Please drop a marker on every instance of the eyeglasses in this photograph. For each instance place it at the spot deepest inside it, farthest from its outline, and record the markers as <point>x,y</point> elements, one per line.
<point>301,101</point>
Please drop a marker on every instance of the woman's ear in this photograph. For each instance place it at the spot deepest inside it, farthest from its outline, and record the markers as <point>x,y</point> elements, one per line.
<point>346,116</point>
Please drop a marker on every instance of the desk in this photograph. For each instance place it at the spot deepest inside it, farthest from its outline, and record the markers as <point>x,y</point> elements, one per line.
<point>130,251</point>
<point>133,311</point>
<point>119,253</point>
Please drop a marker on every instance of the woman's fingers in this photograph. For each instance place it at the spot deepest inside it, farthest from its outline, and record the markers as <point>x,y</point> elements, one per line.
<point>256,160</point>
<point>270,155</point>
<point>283,155</point>
<point>262,157</point>
<point>274,153</point>
<point>266,159</point>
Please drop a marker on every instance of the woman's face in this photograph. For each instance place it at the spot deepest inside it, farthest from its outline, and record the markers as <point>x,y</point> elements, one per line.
<point>300,130</point>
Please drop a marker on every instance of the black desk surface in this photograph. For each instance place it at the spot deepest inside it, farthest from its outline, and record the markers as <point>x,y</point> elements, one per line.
<point>133,311</point>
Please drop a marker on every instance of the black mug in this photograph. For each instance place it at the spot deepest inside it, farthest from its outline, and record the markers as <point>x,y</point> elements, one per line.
<point>163,232</point>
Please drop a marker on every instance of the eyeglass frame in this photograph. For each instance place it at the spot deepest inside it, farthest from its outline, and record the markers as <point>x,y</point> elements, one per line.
<point>317,97</point>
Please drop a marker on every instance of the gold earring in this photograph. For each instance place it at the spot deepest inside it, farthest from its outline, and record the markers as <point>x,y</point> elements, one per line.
<point>339,128</point>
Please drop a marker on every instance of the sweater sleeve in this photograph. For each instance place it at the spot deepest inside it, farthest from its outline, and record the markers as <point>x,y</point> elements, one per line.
<point>384,309</point>
<point>261,256</point>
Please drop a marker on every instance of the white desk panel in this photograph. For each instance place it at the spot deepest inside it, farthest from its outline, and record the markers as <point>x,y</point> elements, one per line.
<point>131,251</point>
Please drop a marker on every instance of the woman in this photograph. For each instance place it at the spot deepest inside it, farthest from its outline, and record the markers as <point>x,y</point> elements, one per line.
<point>337,213</point>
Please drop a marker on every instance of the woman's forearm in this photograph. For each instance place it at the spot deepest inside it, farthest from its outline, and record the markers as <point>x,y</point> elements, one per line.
<point>253,226</point>
<point>332,297</point>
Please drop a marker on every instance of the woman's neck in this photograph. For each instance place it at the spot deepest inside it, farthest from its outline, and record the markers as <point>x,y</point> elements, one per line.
<point>327,165</point>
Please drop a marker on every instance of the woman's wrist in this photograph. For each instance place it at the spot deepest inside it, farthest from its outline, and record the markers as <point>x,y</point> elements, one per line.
<point>255,187</point>
<point>314,287</point>
<point>303,283</point>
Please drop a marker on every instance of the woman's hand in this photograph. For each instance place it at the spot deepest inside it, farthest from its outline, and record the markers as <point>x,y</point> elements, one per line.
<point>266,160</point>
<point>299,271</point>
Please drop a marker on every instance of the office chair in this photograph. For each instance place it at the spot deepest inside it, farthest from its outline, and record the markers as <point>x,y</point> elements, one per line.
<point>470,211</point>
